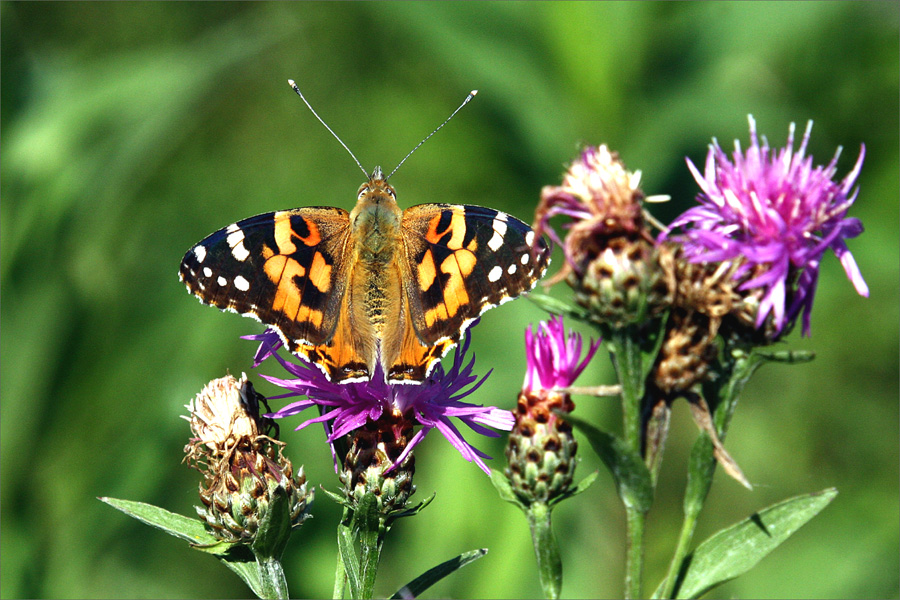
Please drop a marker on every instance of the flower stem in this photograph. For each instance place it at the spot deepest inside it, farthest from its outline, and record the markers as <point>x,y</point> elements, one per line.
<point>634,558</point>
<point>628,360</point>
<point>271,575</point>
<point>735,372</point>
<point>370,543</point>
<point>545,549</point>
<point>340,577</point>
<point>626,354</point>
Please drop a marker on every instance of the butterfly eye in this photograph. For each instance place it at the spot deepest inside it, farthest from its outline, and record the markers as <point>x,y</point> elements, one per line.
<point>391,193</point>
<point>362,192</point>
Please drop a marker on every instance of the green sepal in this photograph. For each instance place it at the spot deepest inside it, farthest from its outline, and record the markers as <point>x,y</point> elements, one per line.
<point>424,581</point>
<point>409,512</point>
<point>504,489</point>
<point>735,550</point>
<point>338,498</point>
<point>631,475</point>
<point>559,307</point>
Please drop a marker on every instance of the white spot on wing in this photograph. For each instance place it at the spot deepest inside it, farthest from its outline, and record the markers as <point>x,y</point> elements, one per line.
<point>511,269</point>
<point>499,226</point>
<point>207,272</point>
<point>529,238</point>
<point>525,258</point>
<point>241,283</point>
<point>495,273</point>
<point>239,252</point>
<point>221,281</point>
<point>235,239</point>
<point>200,253</point>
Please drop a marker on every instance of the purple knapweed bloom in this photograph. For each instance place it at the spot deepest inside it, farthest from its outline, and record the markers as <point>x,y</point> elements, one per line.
<point>554,358</point>
<point>431,403</point>
<point>777,215</point>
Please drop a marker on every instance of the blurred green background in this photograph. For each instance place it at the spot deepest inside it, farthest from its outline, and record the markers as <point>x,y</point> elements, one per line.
<point>131,131</point>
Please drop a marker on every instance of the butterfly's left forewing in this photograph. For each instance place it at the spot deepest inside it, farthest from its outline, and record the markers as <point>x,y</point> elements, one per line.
<point>459,262</point>
<point>285,269</point>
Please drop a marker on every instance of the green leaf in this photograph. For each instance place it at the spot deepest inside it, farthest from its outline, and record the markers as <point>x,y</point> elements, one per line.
<point>558,307</point>
<point>236,557</point>
<point>575,490</point>
<point>274,528</point>
<point>346,539</point>
<point>627,467</point>
<point>424,581</point>
<point>737,549</point>
<point>190,530</point>
<point>585,483</point>
<point>242,562</point>
<point>788,356</point>
<point>504,488</point>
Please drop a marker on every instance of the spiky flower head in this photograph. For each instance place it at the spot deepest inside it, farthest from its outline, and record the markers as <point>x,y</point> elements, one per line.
<point>774,215</point>
<point>610,255</point>
<point>602,200</point>
<point>243,467</point>
<point>430,404</point>
<point>541,448</point>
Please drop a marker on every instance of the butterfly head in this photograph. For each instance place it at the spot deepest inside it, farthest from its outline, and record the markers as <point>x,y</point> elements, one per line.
<point>376,192</point>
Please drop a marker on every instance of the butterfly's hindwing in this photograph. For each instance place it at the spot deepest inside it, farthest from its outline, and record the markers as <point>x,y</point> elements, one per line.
<point>463,260</point>
<point>285,269</point>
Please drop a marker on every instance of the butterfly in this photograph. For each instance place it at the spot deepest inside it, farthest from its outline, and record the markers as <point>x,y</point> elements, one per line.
<point>376,287</point>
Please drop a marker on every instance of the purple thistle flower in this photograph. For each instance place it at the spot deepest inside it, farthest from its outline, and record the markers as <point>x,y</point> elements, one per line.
<point>553,358</point>
<point>778,215</point>
<point>432,403</point>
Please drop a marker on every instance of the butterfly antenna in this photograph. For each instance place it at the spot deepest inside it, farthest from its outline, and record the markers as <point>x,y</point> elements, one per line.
<point>299,93</point>
<point>464,102</point>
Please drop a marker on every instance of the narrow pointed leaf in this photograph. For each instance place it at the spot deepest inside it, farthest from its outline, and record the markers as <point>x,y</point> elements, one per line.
<point>788,356</point>
<point>627,467</point>
<point>190,530</point>
<point>236,557</point>
<point>586,483</point>
<point>424,581</point>
<point>737,549</point>
<point>558,307</point>
<point>349,557</point>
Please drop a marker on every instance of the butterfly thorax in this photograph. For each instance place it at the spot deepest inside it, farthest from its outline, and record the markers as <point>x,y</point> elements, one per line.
<point>375,231</point>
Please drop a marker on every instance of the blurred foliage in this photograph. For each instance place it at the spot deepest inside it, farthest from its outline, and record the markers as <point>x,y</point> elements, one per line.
<point>130,131</point>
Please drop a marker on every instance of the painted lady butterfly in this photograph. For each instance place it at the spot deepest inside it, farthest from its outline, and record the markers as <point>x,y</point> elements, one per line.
<point>379,284</point>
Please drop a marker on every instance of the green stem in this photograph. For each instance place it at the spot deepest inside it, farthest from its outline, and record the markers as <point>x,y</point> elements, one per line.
<point>545,549</point>
<point>271,575</point>
<point>370,543</point>
<point>734,375</point>
<point>700,473</point>
<point>626,354</point>
<point>340,577</point>
<point>634,558</point>
<point>627,358</point>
